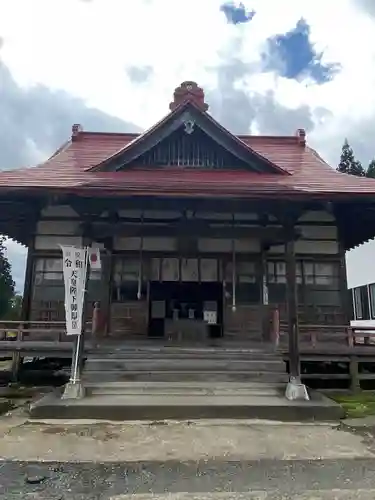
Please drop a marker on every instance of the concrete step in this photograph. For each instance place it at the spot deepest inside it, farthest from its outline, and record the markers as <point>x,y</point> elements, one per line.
<point>184,375</point>
<point>191,364</point>
<point>184,388</point>
<point>161,406</point>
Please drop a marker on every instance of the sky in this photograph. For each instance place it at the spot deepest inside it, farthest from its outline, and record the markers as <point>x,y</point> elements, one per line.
<point>267,67</point>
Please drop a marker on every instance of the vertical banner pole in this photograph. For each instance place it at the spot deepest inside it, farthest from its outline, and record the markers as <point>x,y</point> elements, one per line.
<point>78,351</point>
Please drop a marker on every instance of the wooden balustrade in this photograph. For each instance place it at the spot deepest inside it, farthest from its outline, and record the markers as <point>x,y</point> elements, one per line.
<point>36,331</point>
<point>315,335</point>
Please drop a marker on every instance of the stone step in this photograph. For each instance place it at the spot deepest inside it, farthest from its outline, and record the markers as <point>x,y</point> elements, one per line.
<point>158,354</point>
<point>158,407</point>
<point>175,348</point>
<point>184,376</point>
<point>184,388</point>
<point>191,364</point>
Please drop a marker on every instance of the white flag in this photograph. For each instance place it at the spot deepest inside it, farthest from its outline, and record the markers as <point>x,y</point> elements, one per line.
<point>95,262</point>
<point>74,269</point>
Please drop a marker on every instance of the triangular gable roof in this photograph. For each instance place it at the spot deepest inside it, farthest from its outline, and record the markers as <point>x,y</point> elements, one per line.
<point>183,113</point>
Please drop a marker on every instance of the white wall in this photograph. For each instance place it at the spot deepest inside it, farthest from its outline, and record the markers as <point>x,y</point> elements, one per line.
<point>360,264</point>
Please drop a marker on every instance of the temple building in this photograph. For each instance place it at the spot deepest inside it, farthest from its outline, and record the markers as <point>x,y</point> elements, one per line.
<point>203,234</point>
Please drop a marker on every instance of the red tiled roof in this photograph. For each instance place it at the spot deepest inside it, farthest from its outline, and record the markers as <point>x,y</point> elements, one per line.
<point>72,170</point>
<point>178,110</point>
<point>67,171</point>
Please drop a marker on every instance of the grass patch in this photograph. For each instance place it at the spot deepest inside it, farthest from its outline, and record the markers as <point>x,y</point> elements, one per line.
<point>356,405</point>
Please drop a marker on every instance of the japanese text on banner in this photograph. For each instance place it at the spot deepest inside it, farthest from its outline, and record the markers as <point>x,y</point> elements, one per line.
<point>74,269</point>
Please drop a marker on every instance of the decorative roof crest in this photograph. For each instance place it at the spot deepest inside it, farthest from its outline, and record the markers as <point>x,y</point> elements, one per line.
<point>188,91</point>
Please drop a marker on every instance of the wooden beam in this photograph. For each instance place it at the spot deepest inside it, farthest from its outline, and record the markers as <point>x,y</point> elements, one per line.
<point>271,235</point>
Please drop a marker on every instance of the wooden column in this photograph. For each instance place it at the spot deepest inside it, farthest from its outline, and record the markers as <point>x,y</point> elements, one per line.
<point>345,296</point>
<point>264,300</point>
<point>107,280</point>
<point>295,389</point>
<point>29,272</point>
<point>292,308</point>
<point>28,285</point>
<point>27,296</point>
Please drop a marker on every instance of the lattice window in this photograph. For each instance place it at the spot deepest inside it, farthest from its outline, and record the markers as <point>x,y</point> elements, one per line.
<point>50,269</point>
<point>48,310</point>
<point>358,306</point>
<point>126,270</point>
<point>245,272</point>
<point>125,285</point>
<point>320,273</point>
<point>276,271</point>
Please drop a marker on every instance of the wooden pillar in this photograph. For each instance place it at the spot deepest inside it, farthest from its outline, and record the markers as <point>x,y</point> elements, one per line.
<point>107,280</point>
<point>292,308</point>
<point>346,301</point>
<point>345,295</point>
<point>295,389</point>
<point>264,300</point>
<point>355,385</point>
<point>28,285</point>
<point>17,359</point>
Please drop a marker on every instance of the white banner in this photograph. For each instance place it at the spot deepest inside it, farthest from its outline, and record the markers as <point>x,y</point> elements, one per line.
<point>74,269</point>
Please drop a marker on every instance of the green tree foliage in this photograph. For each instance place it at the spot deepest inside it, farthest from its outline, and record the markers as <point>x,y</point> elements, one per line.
<point>348,163</point>
<point>15,311</point>
<point>6,281</point>
<point>371,170</point>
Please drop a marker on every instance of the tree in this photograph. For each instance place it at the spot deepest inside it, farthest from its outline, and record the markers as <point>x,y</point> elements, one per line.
<point>6,281</point>
<point>15,310</point>
<point>348,164</point>
<point>371,169</point>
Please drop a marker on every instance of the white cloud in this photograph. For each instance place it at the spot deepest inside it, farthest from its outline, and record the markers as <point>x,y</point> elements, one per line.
<point>85,47</point>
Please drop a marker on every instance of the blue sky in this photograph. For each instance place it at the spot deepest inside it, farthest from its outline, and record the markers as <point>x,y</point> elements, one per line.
<point>291,54</point>
<point>267,67</point>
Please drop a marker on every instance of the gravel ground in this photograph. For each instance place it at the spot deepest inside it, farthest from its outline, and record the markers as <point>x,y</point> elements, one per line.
<point>269,479</point>
<point>233,440</point>
<point>205,460</point>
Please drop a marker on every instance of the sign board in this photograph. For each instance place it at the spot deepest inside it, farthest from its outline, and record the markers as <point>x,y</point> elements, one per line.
<point>210,317</point>
<point>74,272</point>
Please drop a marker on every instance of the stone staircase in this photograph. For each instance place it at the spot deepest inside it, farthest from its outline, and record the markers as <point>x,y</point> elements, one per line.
<point>156,383</point>
<point>179,364</point>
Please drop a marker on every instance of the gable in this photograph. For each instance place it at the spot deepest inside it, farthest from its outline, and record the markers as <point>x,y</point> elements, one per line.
<point>192,148</point>
<point>189,138</point>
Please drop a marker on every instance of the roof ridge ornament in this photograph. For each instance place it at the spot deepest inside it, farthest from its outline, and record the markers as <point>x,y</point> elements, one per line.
<point>301,136</point>
<point>76,129</point>
<point>189,126</point>
<point>188,92</point>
